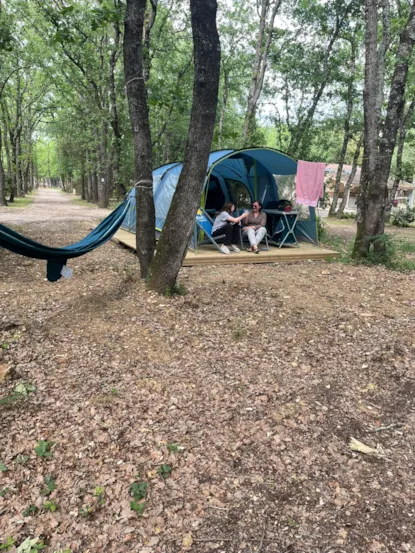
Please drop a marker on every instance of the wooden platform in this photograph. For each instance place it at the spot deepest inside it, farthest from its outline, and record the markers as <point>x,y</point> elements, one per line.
<point>209,255</point>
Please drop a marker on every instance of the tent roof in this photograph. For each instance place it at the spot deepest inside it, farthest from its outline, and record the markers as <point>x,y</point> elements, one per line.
<point>276,162</point>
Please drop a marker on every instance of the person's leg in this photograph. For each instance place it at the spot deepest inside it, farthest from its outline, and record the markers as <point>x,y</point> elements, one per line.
<point>250,232</point>
<point>259,235</point>
<point>235,234</point>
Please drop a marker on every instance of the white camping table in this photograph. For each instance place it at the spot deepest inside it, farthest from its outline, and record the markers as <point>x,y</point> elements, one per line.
<point>290,218</point>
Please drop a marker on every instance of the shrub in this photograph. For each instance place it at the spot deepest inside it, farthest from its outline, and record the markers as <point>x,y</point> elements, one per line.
<point>403,217</point>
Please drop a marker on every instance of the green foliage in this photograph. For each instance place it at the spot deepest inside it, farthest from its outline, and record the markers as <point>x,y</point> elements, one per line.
<point>138,490</point>
<point>31,510</point>
<point>99,494</point>
<point>50,485</point>
<point>4,346</point>
<point>31,546</point>
<point>8,544</point>
<point>43,448</point>
<point>403,217</point>
<point>21,459</point>
<point>346,216</point>
<point>4,492</point>
<point>86,511</point>
<point>3,467</point>
<point>19,393</point>
<point>50,506</point>
<point>165,470</point>
<point>175,290</point>
<point>321,229</point>
<point>174,448</point>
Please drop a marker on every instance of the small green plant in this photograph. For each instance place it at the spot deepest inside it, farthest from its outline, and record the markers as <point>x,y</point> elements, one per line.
<point>138,507</point>
<point>43,448</point>
<point>8,544</point>
<point>4,345</point>
<point>20,392</point>
<point>86,511</point>
<point>4,492</point>
<point>175,448</point>
<point>31,510</point>
<point>175,290</point>
<point>21,459</point>
<point>31,546</point>
<point>3,467</point>
<point>292,523</point>
<point>238,334</point>
<point>321,228</point>
<point>139,492</point>
<point>99,494</point>
<point>50,485</point>
<point>165,470</point>
<point>50,506</point>
<point>114,392</point>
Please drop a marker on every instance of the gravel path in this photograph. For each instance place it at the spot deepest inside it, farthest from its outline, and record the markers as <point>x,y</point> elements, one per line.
<point>50,204</point>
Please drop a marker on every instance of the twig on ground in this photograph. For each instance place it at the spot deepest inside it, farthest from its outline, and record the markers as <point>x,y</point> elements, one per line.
<point>218,508</point>
<point>388,427</point>
<point>212,539</point>
<point>261,543</point>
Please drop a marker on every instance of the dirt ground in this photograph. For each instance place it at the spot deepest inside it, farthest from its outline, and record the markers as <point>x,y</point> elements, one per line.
<point>244,394</point>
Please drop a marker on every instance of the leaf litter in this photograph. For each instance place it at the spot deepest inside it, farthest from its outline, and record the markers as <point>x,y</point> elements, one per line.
<point>257,373</point>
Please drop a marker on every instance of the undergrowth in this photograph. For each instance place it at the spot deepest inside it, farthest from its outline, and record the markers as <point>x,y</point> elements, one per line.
<point>394,254</point>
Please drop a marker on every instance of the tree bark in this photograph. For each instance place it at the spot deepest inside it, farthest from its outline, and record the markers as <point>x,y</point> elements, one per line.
<point>377,161</point>
<point>259,67</point>
<point>346,138</point>
<point>137,103</point>
<point>180,220</point>
<point>223,107</point>
<point>103,185</point>
<point>399,155</point>
<point>349,182</point>
<point>2,177</point>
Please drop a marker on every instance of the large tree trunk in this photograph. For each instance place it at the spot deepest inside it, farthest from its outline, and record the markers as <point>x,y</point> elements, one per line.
<point>137,103</point>
<point>103,185</point>
<point>349,182</point>
<point>346,138</point>
<point>180,220</point>
<point>399,155</point>
<point>259,66</point>
<point>376,162</point>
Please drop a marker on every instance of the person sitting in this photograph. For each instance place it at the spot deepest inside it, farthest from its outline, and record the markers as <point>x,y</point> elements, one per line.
<point>255,226</point>
<point>227,225</point>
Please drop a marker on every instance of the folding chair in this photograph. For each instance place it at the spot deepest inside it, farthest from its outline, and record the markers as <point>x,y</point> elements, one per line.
<point>204,223</point>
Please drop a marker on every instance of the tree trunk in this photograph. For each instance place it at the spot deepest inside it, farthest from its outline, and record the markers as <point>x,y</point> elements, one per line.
<point>2,178</point>
<point>259,66</point>
<point>346,138</point>
<point>180,220</point>
<point>19,183</point>
<point>376,162</point>
<point>103,185</point>
<point>95,187</point>
<point>399,169</point>
<point>83,194</point>
<point>381,57</point>
<point>137,103</point>
<point>349,182</point>
<point>223,107</point>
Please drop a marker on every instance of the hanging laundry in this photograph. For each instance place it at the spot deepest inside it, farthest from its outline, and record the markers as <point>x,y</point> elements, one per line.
<point>309,182</point>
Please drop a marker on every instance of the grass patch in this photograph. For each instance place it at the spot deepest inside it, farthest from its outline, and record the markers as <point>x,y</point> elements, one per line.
<point>23,202</point>
<point>398,254</point>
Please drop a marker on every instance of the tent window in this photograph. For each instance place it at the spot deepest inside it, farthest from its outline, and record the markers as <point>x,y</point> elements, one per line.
<point>239,193</point>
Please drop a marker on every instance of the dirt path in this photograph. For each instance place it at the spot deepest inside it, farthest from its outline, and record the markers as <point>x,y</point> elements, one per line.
<point>235,404</point>
<point>50,204</point>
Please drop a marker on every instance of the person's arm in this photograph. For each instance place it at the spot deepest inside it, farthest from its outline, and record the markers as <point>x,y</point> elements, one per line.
<point>236,219</point>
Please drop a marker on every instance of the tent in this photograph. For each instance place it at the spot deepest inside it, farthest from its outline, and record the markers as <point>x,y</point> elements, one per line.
<point>240,176</point>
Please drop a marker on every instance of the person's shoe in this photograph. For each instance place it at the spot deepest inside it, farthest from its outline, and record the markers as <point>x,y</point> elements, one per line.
<point>225,249</point>
<point>235,248</point>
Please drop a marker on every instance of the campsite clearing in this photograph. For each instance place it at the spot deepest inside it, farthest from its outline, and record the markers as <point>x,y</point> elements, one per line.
<point>235,404</point>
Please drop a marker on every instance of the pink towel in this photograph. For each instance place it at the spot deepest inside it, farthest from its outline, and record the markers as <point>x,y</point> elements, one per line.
<point>309,182</point>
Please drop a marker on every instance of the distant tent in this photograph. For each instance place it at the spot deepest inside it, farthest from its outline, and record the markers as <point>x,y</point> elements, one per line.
<point>239,176</point>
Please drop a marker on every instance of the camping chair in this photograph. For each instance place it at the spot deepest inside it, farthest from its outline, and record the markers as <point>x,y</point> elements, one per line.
<point>204,223</point>
<point>265,237</point>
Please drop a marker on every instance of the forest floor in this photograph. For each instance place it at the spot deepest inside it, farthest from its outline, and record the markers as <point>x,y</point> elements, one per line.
<point>233,405</point>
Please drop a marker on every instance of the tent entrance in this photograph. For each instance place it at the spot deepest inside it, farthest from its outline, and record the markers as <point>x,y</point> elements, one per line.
<point>221,190</point>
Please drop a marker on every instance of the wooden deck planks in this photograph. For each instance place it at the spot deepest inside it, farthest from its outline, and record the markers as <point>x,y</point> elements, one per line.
<point>208,254</point>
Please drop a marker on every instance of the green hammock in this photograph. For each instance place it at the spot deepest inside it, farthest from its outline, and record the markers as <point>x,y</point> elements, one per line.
<point>57,257</point>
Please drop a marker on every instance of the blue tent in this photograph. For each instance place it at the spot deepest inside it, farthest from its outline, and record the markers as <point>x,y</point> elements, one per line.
<point>255,171</point>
